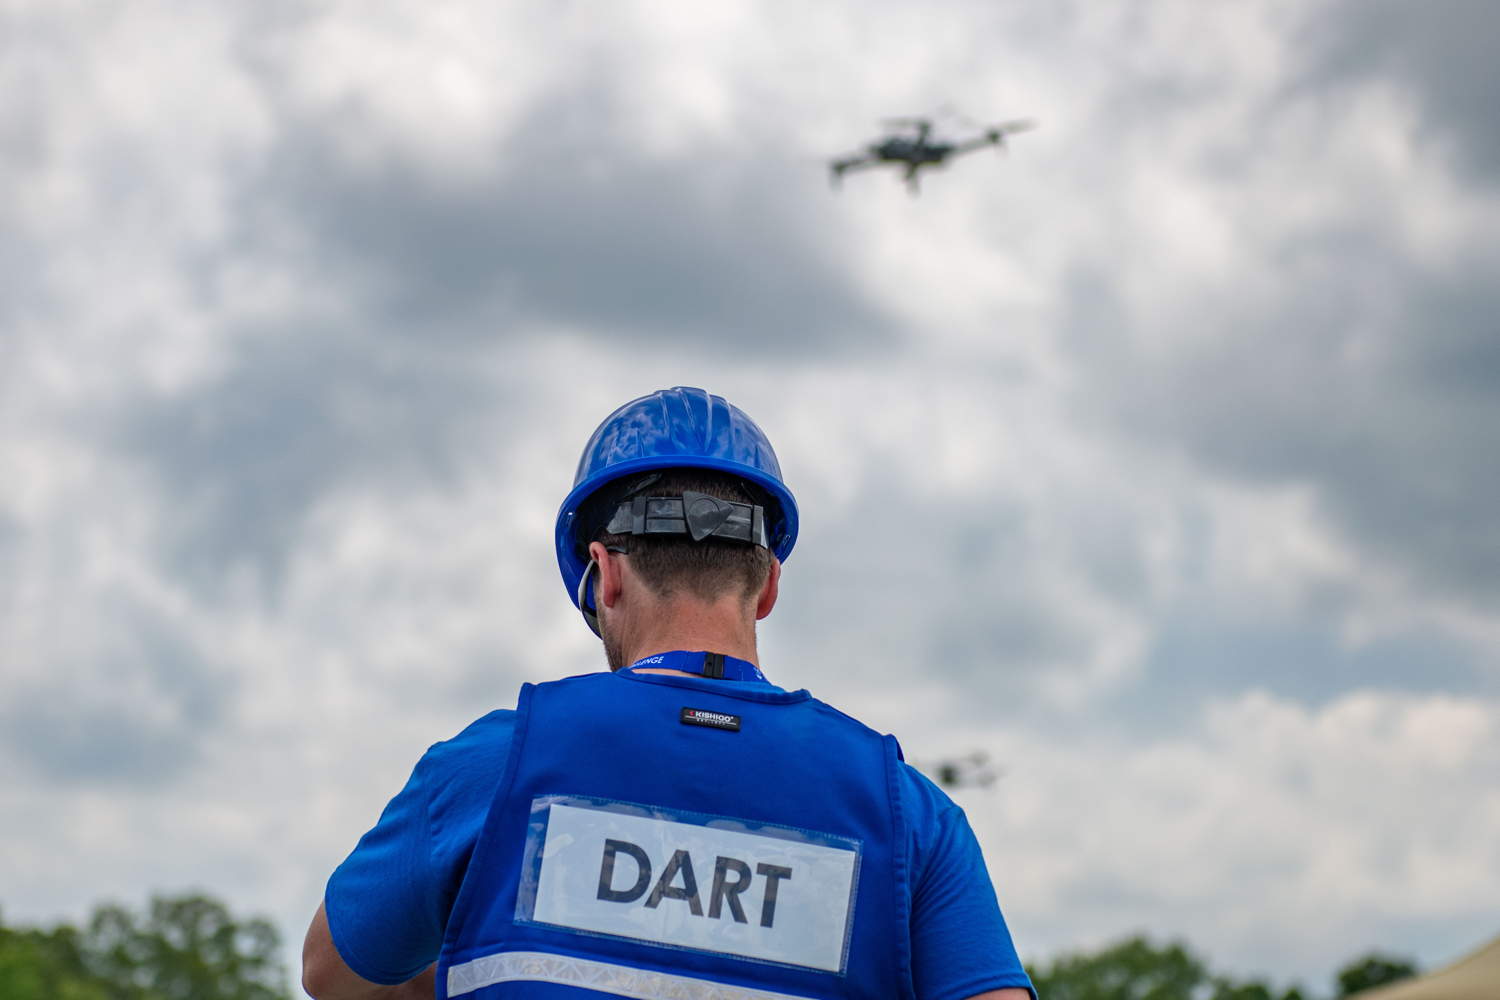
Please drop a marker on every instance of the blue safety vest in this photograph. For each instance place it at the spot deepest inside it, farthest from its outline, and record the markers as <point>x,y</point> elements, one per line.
<point>658,836</point>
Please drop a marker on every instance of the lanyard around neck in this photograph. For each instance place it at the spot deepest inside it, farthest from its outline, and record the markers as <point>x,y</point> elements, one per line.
<point>716,666</point>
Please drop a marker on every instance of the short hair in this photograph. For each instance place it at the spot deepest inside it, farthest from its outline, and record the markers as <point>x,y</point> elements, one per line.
<point>675,564</point>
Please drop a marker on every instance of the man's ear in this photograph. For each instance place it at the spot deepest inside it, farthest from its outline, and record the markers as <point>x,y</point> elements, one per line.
<point>611,574</point>
<point>767,599</point>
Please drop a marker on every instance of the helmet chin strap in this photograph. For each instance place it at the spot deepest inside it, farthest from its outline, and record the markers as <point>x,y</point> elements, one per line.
<point>590,616</point>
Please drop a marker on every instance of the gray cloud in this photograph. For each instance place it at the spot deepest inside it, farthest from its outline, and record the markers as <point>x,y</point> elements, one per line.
<point>709,255</point>
<point>1367,377</point>
<point>10,546</point>
<point>1361,368</point>
<point>434,276</point>
<point>241,459</point>
<point>136,712</point>
<point>978,591</point>
<point>1199,654</point>
<point>1441,53</point>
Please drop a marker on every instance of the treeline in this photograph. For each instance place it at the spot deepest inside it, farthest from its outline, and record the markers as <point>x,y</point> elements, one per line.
<point>193,948</point>
<point>180,948</point>
<point>1136,969</point>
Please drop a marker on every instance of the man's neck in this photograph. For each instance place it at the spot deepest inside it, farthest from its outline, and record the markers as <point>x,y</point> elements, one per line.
<point>713,628</point>
<point>708,644</point>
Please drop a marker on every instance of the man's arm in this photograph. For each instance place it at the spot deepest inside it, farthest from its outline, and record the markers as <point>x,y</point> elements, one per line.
<point>960,944</point>
<point>326,976</point>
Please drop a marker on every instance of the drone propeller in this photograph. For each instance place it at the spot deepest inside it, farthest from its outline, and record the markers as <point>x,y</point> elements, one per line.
<point>997,133</point>
<point>1004,128</point>
<point>1013,126</point>
<point>909,121</point>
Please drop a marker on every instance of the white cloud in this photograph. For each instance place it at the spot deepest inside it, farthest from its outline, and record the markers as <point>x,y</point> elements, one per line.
<point>1351,823</point>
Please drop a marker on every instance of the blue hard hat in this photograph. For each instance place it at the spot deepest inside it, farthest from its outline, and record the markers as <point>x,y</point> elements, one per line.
<point>673,429</point>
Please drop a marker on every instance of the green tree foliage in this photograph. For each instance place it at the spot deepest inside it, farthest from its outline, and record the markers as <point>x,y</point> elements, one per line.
<point>1136,969</point>
<point>181,948</point>
<point>1224,989</point>
<point>1372,970</point>
<point>45,965</point>
<point>1130,970</point>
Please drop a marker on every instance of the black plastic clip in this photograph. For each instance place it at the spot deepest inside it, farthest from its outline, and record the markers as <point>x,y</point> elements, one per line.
<point>697,515</point>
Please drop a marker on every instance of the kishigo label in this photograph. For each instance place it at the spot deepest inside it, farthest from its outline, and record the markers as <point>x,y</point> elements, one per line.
<point>713,720</point>
<point>770,894</point>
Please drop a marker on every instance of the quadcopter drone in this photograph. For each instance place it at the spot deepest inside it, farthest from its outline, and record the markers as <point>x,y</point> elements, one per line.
<point>916,149</point>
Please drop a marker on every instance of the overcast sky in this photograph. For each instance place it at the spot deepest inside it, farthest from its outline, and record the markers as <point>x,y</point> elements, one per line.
<point>1157,458</point>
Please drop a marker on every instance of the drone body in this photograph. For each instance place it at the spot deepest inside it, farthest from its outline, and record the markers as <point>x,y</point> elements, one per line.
<point>917,150</point>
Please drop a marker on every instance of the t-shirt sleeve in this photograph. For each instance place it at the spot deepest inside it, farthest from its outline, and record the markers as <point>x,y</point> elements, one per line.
<point>381,903</point>
<point>388,903</point>
<point>959,942</point>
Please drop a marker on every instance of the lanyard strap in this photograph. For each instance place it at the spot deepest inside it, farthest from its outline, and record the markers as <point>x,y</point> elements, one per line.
<point>715,666</point>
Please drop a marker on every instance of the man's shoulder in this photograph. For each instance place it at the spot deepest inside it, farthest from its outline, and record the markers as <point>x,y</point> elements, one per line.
<point>483,740</point>
<point>926,806</point>
<point>924,801</point>
<point>496,724</point>
<point>836,712</point>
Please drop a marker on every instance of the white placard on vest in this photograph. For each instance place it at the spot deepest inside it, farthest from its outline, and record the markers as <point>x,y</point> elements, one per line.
<point>686,885</point>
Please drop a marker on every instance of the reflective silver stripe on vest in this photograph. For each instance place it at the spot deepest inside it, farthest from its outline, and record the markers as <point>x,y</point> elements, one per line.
<point>621,980</point>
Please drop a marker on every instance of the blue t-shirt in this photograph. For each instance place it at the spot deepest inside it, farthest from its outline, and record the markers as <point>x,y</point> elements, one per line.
<point>388,903</point>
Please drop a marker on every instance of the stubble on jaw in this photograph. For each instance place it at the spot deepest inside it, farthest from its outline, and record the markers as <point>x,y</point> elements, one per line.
<point>614,650</point>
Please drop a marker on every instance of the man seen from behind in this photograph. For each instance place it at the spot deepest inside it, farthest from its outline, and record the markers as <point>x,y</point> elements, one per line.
<point>678,826</point>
